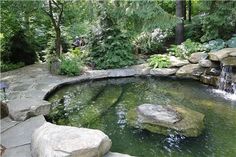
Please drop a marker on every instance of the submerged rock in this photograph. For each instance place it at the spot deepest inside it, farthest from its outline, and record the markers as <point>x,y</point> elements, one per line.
<point>64,141</point>
<point>167,120</point>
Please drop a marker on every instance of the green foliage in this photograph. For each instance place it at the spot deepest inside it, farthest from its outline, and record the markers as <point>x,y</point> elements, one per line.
<point>193,30</point>
<point>232,42</point>
<point>10,66</point>
<point>185,49</point>
<point>151,42</point>
<point>159,61</point>
<point>215,45</point>
<point>19,49</point>
<point>219,20</point>
<point>70,65</point>
<point>109,46</point>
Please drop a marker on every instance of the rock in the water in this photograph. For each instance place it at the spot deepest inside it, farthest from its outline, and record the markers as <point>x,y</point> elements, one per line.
<point>205,63</point>
<point>209,79</point>
<point>167,120</point>
<point>163,71</point>
<point>190,71</point>
<point>231,61</point>
<point>64,141</point>
<point>176,62</point>
<point>111,154</point>
<point>196,57</point>
<point>21,109</point>
<point>221,54</point>
<point>4,110</point>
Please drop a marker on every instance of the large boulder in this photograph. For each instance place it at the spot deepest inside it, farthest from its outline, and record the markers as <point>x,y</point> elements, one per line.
<point>196,57</point>
<point>190,71</point>
<point>231,61</point>
<point>221,54</point>
<point>21,109</point>
<point>167,120</point>
<point>64,141</point>
<point>210,80</point>
<point>176,62</point>
<point>205,63</point>
<point>163,71</point>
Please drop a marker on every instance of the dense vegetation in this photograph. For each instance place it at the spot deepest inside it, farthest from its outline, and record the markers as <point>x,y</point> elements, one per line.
<point>116,33</point>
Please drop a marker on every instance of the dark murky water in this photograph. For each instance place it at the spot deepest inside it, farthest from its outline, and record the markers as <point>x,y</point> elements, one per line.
<point>103,105</point>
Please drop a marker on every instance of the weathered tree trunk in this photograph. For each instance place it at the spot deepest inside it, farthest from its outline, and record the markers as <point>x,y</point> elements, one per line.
<point>189,10</point>
<point>58,41</point>
<point>180,26</point>
<point>184,9</point>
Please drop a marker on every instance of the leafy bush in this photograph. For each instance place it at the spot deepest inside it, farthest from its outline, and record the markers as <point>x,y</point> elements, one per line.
<point>159,61</point>
<point>215,45</point>
<point>70,65</point>
<point>109,47</point>
<point>20,50</point>
<point>10,66</point>
<point>185,49</point>
<point>150,42</point>
<point>232,42</point>
<point>193,30</point>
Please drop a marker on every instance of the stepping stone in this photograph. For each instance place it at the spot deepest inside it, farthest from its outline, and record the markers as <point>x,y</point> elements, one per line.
<point>7,123</point>
<point>21,109</point>
<point>21,151</point>
<point>21,133</point>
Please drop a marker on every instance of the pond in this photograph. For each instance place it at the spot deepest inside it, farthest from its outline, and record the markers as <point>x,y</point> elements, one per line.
<point>103,105</point>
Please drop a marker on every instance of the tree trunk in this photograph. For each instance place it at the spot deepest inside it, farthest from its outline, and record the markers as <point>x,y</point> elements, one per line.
<point>58,41</point>
<point>184,8</point>
<point>180,26</point>
<point>189,10</point>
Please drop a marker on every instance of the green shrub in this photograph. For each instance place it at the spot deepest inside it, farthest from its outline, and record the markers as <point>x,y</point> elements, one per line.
<point>159,61</point>
<point>10,66</point>
<point>109,46</point>
<point>20,50</point>
<point>215,45</point>
<point>232,42</point>
<point>70,65</point>
<point>185,49</point>
<point>148,42</point>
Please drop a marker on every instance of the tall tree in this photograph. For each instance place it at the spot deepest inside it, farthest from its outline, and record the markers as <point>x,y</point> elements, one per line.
<point>54,9</point>
<point>189,10</point>
<point>180,26</point>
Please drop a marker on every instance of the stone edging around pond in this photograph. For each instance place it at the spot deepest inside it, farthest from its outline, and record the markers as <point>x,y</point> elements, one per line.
<point>200,66</point>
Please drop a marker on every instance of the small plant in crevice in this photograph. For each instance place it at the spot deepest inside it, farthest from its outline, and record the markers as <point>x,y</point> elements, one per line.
<point>159,61</point>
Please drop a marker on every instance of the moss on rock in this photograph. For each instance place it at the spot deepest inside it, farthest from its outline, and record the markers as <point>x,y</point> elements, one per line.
<point>190,125</point>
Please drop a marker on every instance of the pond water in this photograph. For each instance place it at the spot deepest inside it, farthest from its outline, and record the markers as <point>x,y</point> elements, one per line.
<point>103,105</point>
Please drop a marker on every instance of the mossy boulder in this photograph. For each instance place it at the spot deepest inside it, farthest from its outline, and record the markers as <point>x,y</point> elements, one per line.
<point>167,120</point>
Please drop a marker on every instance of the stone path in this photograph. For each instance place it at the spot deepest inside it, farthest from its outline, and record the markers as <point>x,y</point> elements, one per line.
<point>27,89</point>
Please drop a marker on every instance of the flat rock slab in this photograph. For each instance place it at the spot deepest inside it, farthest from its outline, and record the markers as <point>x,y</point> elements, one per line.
<point>21,133</point>
<point>221,54</point>
<point>21,151</point>
<point>231,61</point>
<point>7,123</point>
<point>21,109</point>
<point>158,113</point>
<point>112,154</point>
<point>189,71</point>
<point>176,62</point>
<point>64,141</point>
<point>163,71</point>
<point>165,120</point>
<point>196,57</point>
